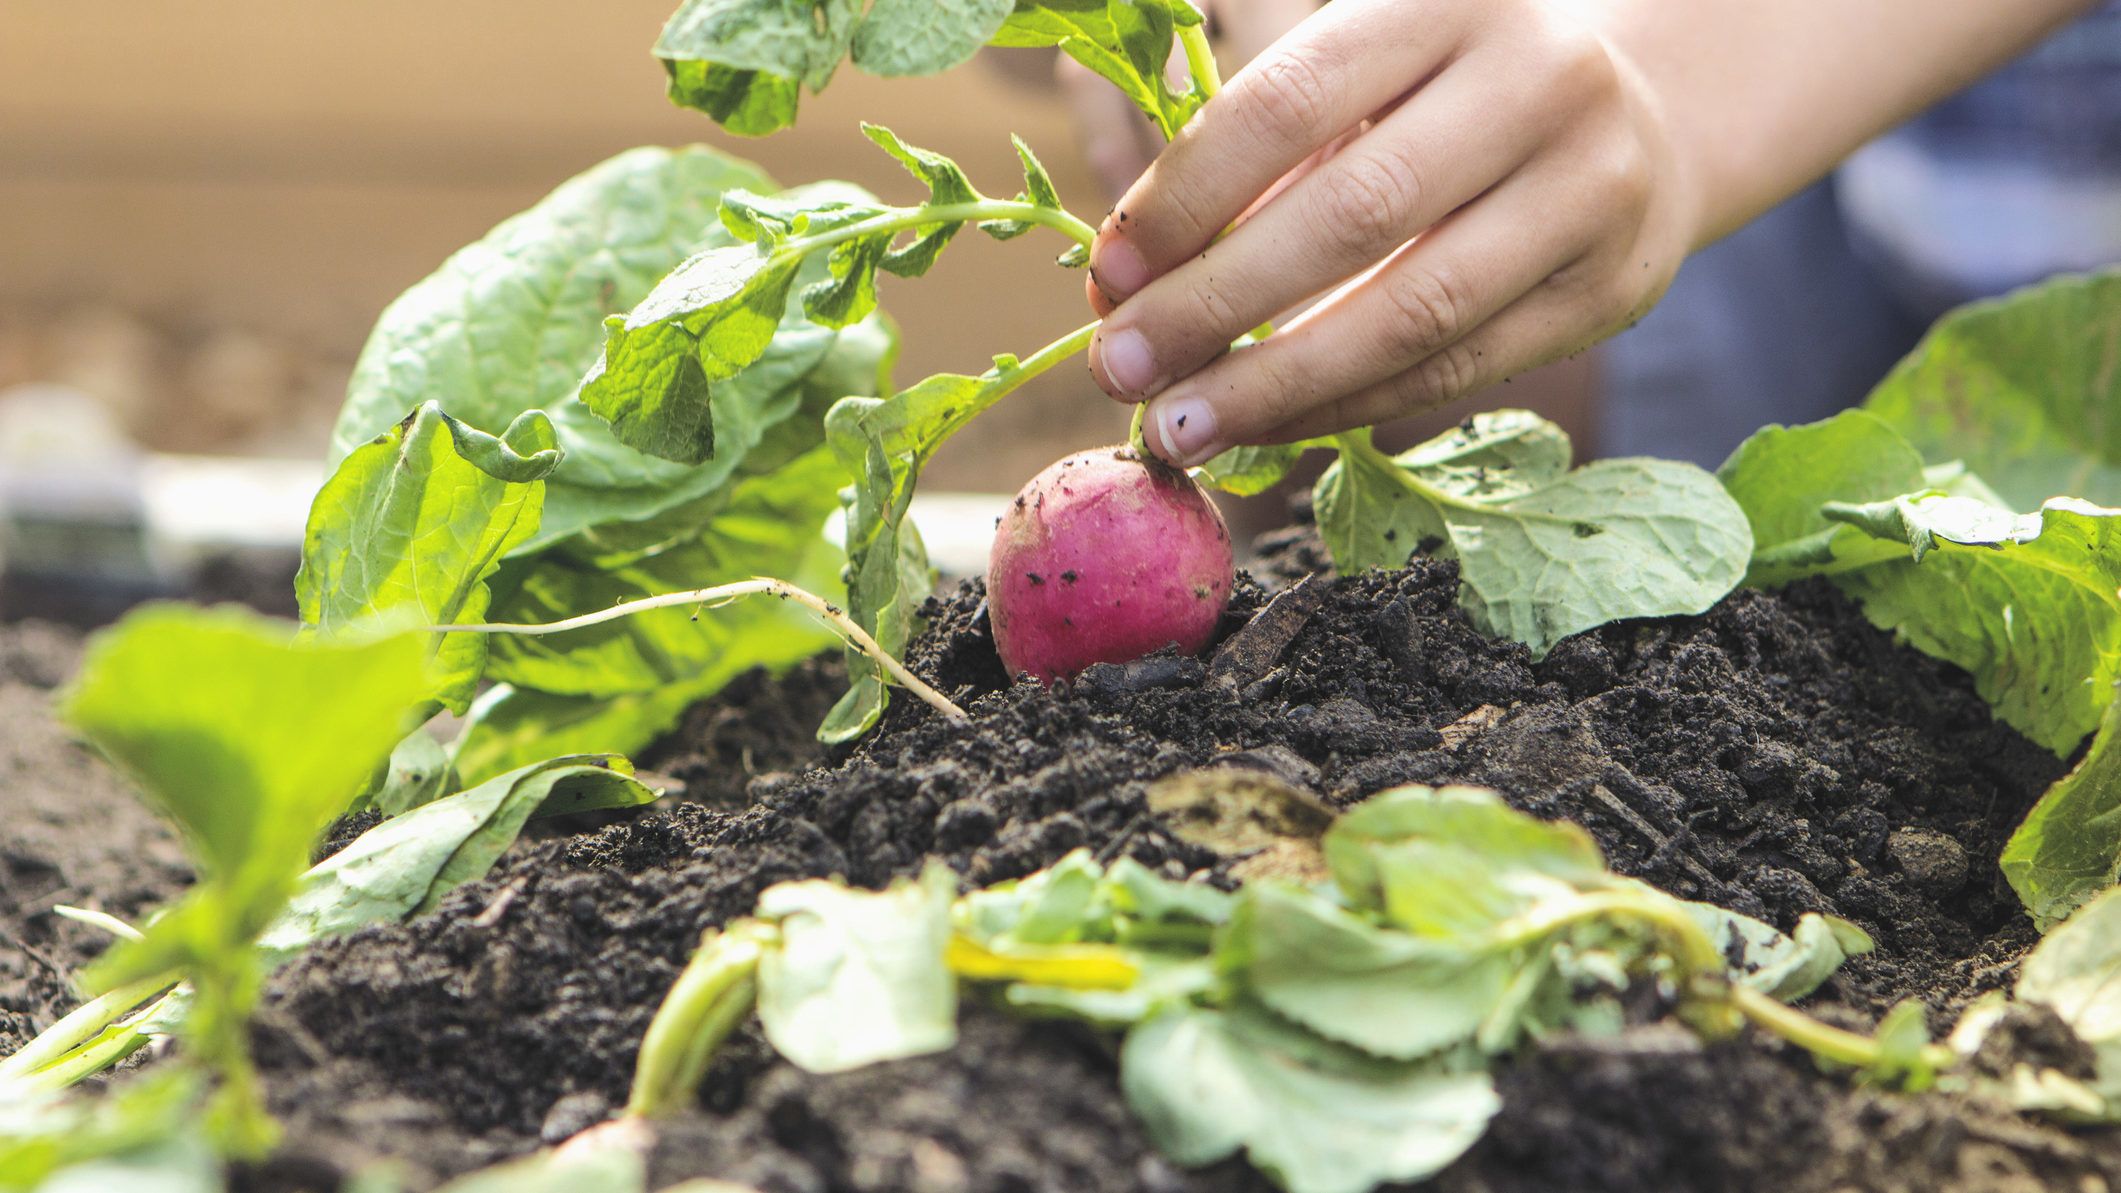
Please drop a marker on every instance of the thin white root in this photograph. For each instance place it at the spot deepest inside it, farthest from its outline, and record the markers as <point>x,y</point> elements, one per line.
<point>832,615</point>
<point>97,919</point>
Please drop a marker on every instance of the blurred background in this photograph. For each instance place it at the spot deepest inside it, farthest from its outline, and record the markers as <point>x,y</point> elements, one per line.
<point>205,203</point>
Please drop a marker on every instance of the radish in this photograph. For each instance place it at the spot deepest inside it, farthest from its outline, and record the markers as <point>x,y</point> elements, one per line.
<point>1103,558</point>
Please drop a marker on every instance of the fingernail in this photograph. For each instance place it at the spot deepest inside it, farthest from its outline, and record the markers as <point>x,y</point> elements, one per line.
<point>1187,427</point>
<point>1120,268</point>
<point>1128,364</point>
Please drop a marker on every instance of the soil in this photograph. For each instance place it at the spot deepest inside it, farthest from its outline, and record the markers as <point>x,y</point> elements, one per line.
<point>1776,755</point>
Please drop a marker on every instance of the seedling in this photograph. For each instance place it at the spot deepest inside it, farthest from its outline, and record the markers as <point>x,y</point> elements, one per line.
<point>1341,1035</point>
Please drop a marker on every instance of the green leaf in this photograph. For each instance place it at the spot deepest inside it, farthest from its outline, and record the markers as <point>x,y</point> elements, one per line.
<point>884,444</point>
<point>1369,513</point>
<point>770,525</point>
<point>1472,818</point>
<point>249,740</point>
<point>1542,555</point>
<point>1615,539</point>
<point>2068,848</point>
<point>2076,972</point>
<point>1782,477</point>
<point>1492,457</point>
<point>718,311</point>
<point>510,727</point>
<point>1250,471</point>
<point>1053,906</point>
<point>619,1167</point>
<point>925,37</point>
<point>2025,389</point>
<point>1314,1117</point>
<point>403,866</point>
<point>1903,1041</point>
<point>1783,967</point>
<point>411,527</point>
<point>1141,895</point>
<point>743,62</point>
<point>510,323</point>
<point>2028,605</point>
<point>1384,992</point>
<point>1038,188</point>
<point>859,976</point>
<point>141,1136</point>
<point>1126,42</point>
<point>419,773</point>
<point>709,318</point>
<point>947,185</point>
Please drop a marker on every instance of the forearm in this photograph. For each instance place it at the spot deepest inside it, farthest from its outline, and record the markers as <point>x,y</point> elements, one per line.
<point>1765,97</point>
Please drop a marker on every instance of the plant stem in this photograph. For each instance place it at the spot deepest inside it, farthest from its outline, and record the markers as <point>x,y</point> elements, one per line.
<point>97,919</point>
<point>716,991</point>
<point>83,1023</point>
<point>899,219</point>
<point>98,1054</point>
<point>1200,59</point>
<point>1820,1039</point>
<point>1694,950</point>
<point>832,614</point>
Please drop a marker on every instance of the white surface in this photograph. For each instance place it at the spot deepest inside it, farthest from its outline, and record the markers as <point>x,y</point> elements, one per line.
<point>212,501</point>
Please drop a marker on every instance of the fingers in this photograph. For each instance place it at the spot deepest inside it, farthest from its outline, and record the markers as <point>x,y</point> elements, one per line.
<point>1243,29</point>
<point>1538,329</point>
<point>1455,310</point>
<point>1321,80</point>
<point>1450,143</point>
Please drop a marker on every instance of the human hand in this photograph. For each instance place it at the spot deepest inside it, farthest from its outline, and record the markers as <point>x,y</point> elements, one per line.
<point>1118,140</point>
<point>1510,194</point>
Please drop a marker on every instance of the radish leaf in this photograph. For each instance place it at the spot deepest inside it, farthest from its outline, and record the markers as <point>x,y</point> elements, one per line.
<point>1317,1117</point>
<point>403,866</point>
<point>416,523</point>
<point>250,741</point>
<point>2027,603</point>
<point>1542,553</point>
<point>764,525</point>
<point>2026,389</point>
<point>745,62</point>
<point>2076,972</point>
<point>1126,42</point>
<point>2068,848</point>
<point>858,976</point>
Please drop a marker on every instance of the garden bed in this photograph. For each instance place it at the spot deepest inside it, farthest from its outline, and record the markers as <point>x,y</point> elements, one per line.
<point>1776,755</point>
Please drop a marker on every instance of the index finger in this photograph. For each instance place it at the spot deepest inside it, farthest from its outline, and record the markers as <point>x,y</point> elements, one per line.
<point>1329,74</point>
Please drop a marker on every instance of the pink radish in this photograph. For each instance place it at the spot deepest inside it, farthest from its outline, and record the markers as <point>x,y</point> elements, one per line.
<point>1104,558</point>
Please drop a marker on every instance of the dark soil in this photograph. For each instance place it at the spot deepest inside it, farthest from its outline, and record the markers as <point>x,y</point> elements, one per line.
<point>1776,755</point>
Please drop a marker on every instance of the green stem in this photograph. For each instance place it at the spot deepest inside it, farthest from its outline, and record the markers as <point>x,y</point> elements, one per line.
<point>1053,353</point>
<point>1693,948</point>
<point>1200,59</point>
<point>1820,1039</point>
<point>899,219</point>
<point>84,1062</point>
<point>84,1023</point>
<point>716,992</point>
<point>1001,381</point>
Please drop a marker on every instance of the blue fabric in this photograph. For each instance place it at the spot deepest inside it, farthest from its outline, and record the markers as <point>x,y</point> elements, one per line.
<point>1797,315</point>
